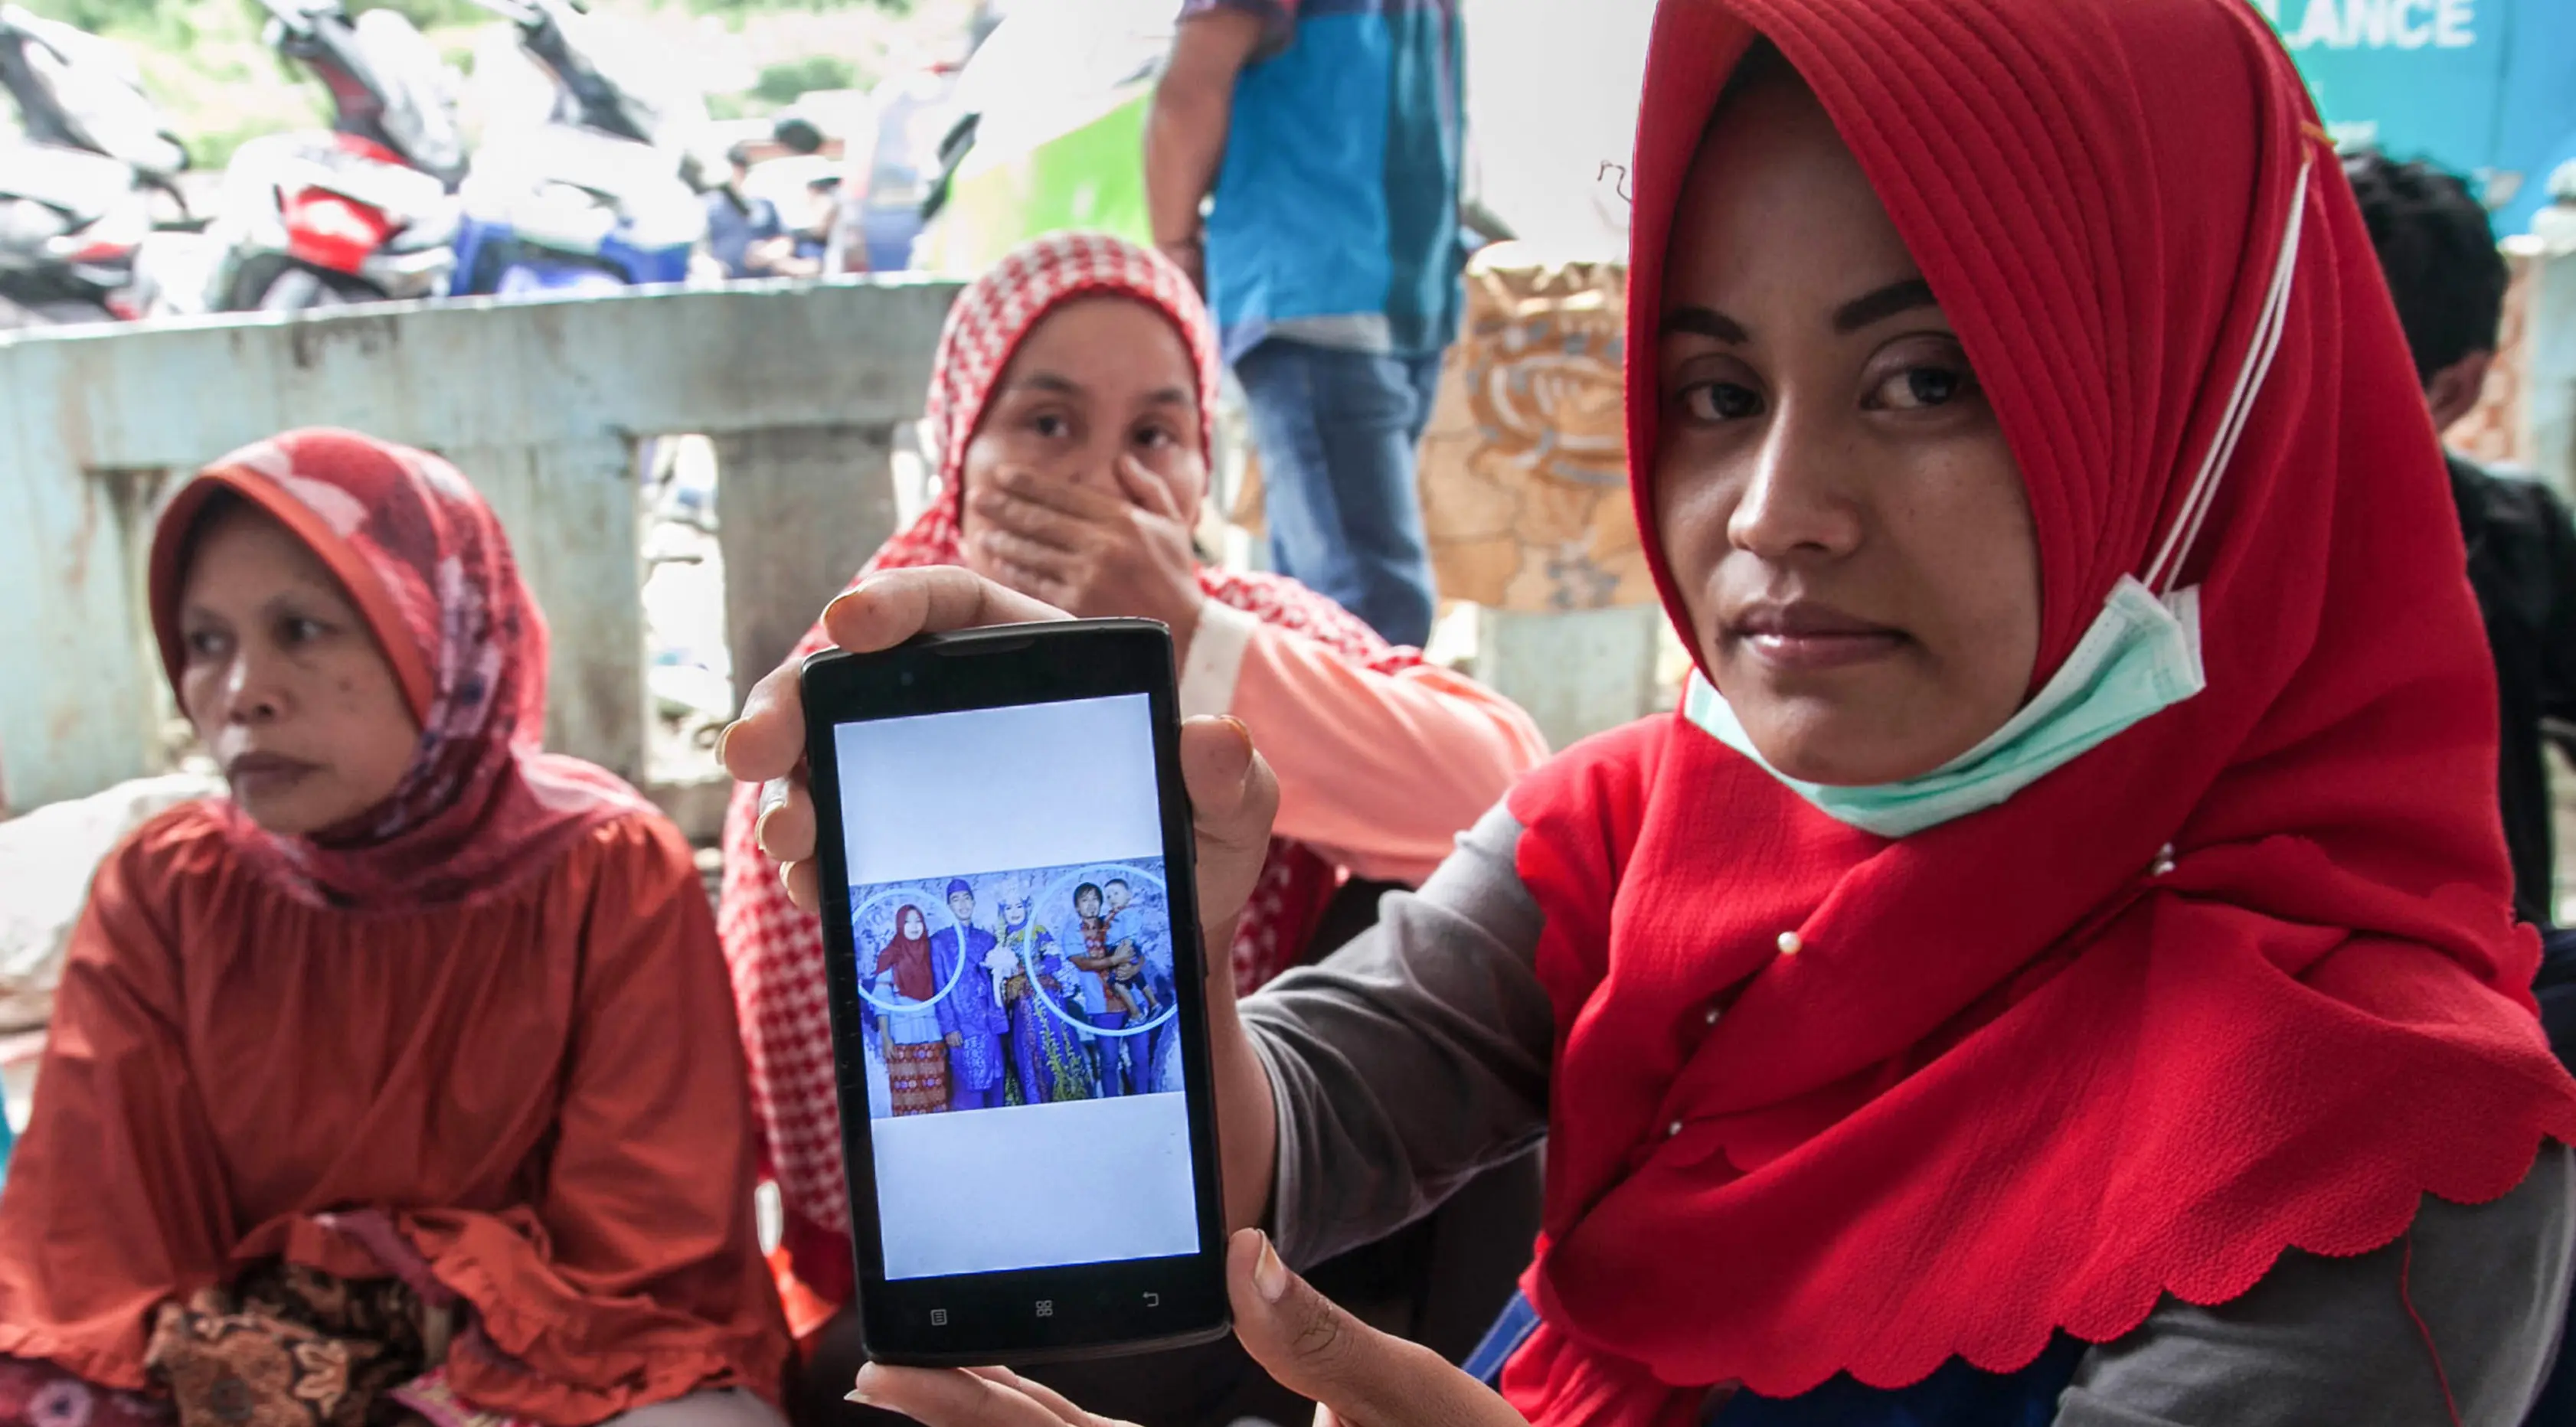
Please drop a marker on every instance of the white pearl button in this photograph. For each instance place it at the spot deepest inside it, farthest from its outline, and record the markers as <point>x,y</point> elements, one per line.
<point>1712,1015</point>
<point>1790,945</point>
<point>1674,1129</point>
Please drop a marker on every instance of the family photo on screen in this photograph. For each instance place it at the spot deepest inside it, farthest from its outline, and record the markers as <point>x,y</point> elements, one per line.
<point>1032,987</point>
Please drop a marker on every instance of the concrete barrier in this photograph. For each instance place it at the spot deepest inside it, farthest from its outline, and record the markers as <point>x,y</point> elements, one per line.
<point>541,404</point>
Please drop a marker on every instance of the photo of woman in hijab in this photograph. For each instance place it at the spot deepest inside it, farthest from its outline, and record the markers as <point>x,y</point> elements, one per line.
<point>1048,1061</point>
<point>916,1049</point>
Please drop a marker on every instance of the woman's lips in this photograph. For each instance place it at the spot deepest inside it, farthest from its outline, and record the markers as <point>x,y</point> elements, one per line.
<point>1804,637</point>
<point>259,774</point>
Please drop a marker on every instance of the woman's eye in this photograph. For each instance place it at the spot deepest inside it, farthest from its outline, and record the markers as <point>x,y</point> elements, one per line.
<point>1720,401</point>
<point>1051,425</point>
<point>1155,438</point>
<point>299,630</point>
<point>205,643</point>
<point>1916,388</point>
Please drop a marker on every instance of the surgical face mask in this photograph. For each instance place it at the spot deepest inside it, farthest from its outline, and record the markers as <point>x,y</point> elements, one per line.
<point>2141,656</point>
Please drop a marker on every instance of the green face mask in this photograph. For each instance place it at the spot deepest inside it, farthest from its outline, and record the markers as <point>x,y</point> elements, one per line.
<point>2141,656</point>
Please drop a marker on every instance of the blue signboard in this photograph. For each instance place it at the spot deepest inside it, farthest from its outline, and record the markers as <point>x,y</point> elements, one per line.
<point>2486,87</point>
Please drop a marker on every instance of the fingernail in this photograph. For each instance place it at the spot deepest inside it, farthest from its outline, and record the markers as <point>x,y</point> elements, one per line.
<point>787,877</point>
<point>1270,1276</point>
<point>1241,729</point>
<point>724,740</point>
<point>845,596</point>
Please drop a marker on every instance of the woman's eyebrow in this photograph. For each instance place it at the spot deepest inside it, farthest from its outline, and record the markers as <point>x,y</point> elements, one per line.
<point>1871,308</point>
<point>1048,382</point>
<point>1705,322</point>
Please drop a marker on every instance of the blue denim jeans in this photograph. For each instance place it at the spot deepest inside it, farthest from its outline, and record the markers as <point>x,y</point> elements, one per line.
<point>1338,431</point>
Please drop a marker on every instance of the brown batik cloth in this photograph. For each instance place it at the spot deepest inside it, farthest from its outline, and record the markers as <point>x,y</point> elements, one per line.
<point>290,1346</point>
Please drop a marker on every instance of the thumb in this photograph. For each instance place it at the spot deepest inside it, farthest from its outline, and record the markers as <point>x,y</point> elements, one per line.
<point>1360,1376</point>
<point>1233,799</point>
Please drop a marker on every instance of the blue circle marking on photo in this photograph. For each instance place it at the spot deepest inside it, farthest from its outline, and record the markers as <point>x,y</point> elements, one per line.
<point>1065,885</point>
<point>867,955</point>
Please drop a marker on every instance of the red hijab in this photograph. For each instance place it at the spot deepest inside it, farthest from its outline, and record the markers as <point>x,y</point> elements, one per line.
<point>427,565</point>
<point>2023,1072</point>
<point>776,951</point>
<point>907,955</point>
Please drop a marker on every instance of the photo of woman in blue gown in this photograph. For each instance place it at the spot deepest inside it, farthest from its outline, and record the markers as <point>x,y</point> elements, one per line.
<point>1049,1063</point>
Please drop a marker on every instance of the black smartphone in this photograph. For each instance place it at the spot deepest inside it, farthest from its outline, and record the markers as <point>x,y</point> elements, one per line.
<point>1010,913</point>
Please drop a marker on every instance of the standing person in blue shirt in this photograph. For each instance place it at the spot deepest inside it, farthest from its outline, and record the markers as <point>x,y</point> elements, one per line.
<point>1329,135</point>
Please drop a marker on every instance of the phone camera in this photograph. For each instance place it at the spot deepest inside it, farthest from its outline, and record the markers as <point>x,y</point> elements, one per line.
<point>906,678</point>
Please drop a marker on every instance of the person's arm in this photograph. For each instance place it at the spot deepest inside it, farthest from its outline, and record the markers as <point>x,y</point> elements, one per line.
<point>649,1251</point>
<point>1193,110</point>
<point>1411,1060</point>
<point>2558,648</point>
<point>1377,772</point>
<point>2455,1323</point>
<point>118,1195</point>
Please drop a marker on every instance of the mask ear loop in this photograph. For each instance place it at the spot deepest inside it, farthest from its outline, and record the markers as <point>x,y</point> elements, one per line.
<point>2165,571</point>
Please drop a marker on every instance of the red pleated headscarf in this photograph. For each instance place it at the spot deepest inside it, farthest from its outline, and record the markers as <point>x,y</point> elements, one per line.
<point>2024,1073</point>
<point>481,806</point>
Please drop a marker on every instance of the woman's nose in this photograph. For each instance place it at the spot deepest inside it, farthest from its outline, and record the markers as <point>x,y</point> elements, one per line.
<point>1092,470</point>
<point>1796,501</point>
<point>253,691</point>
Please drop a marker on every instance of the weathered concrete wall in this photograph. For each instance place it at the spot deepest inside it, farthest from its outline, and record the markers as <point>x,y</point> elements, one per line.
<point>539,403</point>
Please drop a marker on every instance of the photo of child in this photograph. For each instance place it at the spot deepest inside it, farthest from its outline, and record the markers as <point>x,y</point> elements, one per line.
<point>1033,987</point>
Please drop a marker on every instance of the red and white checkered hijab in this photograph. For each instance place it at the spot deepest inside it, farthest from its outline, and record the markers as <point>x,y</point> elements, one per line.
<point>775,950</point>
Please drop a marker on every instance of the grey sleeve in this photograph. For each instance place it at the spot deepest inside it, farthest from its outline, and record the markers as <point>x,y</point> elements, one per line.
<point>1411,1059</point>
<point>2329,1342</point>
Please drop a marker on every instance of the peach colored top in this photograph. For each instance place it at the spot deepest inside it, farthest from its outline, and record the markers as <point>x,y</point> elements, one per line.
<point>1377,772</point>
<point>543,1091</point>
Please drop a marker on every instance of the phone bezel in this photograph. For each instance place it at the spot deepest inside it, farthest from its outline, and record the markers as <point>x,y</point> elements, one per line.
<point>1115,1308</point>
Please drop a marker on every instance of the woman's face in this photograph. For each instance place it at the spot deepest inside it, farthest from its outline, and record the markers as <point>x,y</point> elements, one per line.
<point>1015,913</point>
<point>284,681</point>
<point>1097,379</point>
<point>912,925</point>
<point>1845,522</point>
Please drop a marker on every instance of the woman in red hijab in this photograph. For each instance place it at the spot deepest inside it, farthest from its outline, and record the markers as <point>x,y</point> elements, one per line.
<point>2059,965</point>
<point>402,1077</point>
<point>913,1042</point>
<point>907,956</point>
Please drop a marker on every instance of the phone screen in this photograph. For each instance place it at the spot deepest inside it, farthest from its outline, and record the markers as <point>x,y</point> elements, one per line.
<point>1015,965</point>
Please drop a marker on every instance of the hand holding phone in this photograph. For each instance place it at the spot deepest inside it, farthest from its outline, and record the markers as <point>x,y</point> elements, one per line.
<point>1233,799</point>
<point>1359,1376</point>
